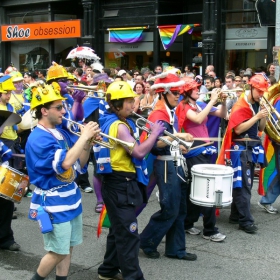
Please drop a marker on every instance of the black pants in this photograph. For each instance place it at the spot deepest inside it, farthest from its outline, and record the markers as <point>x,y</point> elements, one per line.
<point>194,211</point>
<point>241,197</point>
<point>6,214</point>
<point>123,240</point>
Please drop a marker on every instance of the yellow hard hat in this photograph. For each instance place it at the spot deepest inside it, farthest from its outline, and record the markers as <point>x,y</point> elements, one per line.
<point>56,71</point>
<point>16,76</point>
<point>119,90</point>
<point>6,83</point>
<point>1,89</point>
<point>43,93</point>
<point>71,77</point>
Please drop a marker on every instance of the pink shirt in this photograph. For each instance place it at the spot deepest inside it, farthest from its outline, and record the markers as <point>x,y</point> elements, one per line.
<point>195,129</point>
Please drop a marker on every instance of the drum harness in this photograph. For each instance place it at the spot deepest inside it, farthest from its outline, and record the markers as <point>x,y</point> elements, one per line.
<point>175,154</point>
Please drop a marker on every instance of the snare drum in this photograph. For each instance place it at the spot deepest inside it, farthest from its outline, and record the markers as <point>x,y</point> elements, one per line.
<point>13,184</point>
<point>211,185</point>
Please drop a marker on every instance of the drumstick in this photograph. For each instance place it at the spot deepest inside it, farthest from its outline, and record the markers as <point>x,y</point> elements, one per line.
<point>18,155</point>
<point>205,144</point>
<point>207,138</point>
<point>165,171</point>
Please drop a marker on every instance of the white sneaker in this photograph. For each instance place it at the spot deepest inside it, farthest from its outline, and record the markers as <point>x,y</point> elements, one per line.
<point>218,237</point>
<point>268,208</point>
<point>193,231</point>
<point>88,189</point>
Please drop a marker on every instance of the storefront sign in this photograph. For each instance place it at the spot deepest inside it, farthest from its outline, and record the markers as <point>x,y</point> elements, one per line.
<point>41,30</point>
<point>246,33</point>
<point>247,44</point>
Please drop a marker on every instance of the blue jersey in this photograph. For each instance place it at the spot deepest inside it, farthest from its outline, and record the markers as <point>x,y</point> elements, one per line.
<point>55,187</point>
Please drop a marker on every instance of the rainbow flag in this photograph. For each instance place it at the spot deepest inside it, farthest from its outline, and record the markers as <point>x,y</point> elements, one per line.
<point>126,35</point>
<point>103,220</point>
<point>168,33</point>
<point>269,173</point>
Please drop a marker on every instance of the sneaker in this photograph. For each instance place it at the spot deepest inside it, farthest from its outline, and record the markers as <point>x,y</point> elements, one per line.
<point>88,189</point>
<point>151,254</point>
<point>193,231</point>
<point>116,277</point>
<point>13,247</point>
<point>29,194</point>
<point>14,216</point>
<point>218,237</point>
<point>249,228</point>
<point>268,208</point>
<point>187,257</point>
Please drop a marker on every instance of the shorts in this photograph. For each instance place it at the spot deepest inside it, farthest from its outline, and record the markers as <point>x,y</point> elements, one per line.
<point>64,236</point>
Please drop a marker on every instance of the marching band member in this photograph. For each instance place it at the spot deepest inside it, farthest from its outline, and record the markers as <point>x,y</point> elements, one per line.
<point>124,181</point>
<point>193,118</point>
<point>269,182</point>
<point>52,166</point>
<point>9,135</point>
<point>91,109</point>
<point>169,173</point>
<point>247,118</point>
<point>7,240</point>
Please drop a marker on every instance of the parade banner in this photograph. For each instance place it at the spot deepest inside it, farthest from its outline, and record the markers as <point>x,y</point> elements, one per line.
<point>126,35</point>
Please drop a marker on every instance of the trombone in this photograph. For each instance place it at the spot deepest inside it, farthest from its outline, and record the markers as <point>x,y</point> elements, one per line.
<point>105,144</point>
<point>89,89</point>
<point>179,141</point>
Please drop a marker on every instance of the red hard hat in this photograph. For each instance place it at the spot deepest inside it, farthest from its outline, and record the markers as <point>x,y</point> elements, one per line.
<point>189,85</point>
<point>258,81</point>
<point>167,81</point>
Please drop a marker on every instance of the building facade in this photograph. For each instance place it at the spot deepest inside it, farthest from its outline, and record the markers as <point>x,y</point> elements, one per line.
<point>229,35</point>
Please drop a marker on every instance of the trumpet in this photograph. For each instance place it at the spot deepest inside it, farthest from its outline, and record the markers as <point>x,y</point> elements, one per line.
<point>89,89</point>
<point>179,141</point>
<point>105,144</point>
<point>230,94</point>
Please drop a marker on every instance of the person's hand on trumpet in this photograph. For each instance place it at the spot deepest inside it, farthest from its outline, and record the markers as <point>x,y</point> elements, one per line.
<point>157,128</point>
<point>215,94</point>
<point>90,131</point>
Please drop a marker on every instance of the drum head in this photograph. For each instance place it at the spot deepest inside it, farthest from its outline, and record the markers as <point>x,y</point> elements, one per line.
<point>212,169</point>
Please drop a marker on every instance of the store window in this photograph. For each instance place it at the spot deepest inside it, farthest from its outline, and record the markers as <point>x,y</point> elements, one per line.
<point>241,13</point>
<point>34,55</point>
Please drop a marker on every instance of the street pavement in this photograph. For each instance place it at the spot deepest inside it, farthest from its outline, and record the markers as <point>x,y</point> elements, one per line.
<point>240,256</point>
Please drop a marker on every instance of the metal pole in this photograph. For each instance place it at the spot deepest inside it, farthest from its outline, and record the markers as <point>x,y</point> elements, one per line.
<point>277,37</point>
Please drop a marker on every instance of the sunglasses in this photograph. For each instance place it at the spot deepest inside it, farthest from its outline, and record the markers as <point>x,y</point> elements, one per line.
<point>58,107</point>
<point>135,74</point>
<point>175,92</point>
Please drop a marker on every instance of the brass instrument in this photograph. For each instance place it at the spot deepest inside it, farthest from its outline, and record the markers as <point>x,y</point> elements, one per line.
<point>229,92</point>
<point>179,141</point>
<point>90,89</point>
<point>125,144</point>
<point>272,128</point>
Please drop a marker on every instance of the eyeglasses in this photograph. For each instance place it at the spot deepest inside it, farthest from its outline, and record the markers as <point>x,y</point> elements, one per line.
<point>238,80</point>
<point>58,107</point>
<point>175,92</point>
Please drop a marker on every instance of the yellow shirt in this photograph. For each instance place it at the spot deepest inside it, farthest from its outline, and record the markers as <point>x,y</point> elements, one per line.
<point>120,159</point>
<point>16,101</point>
<point>8,132</point>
